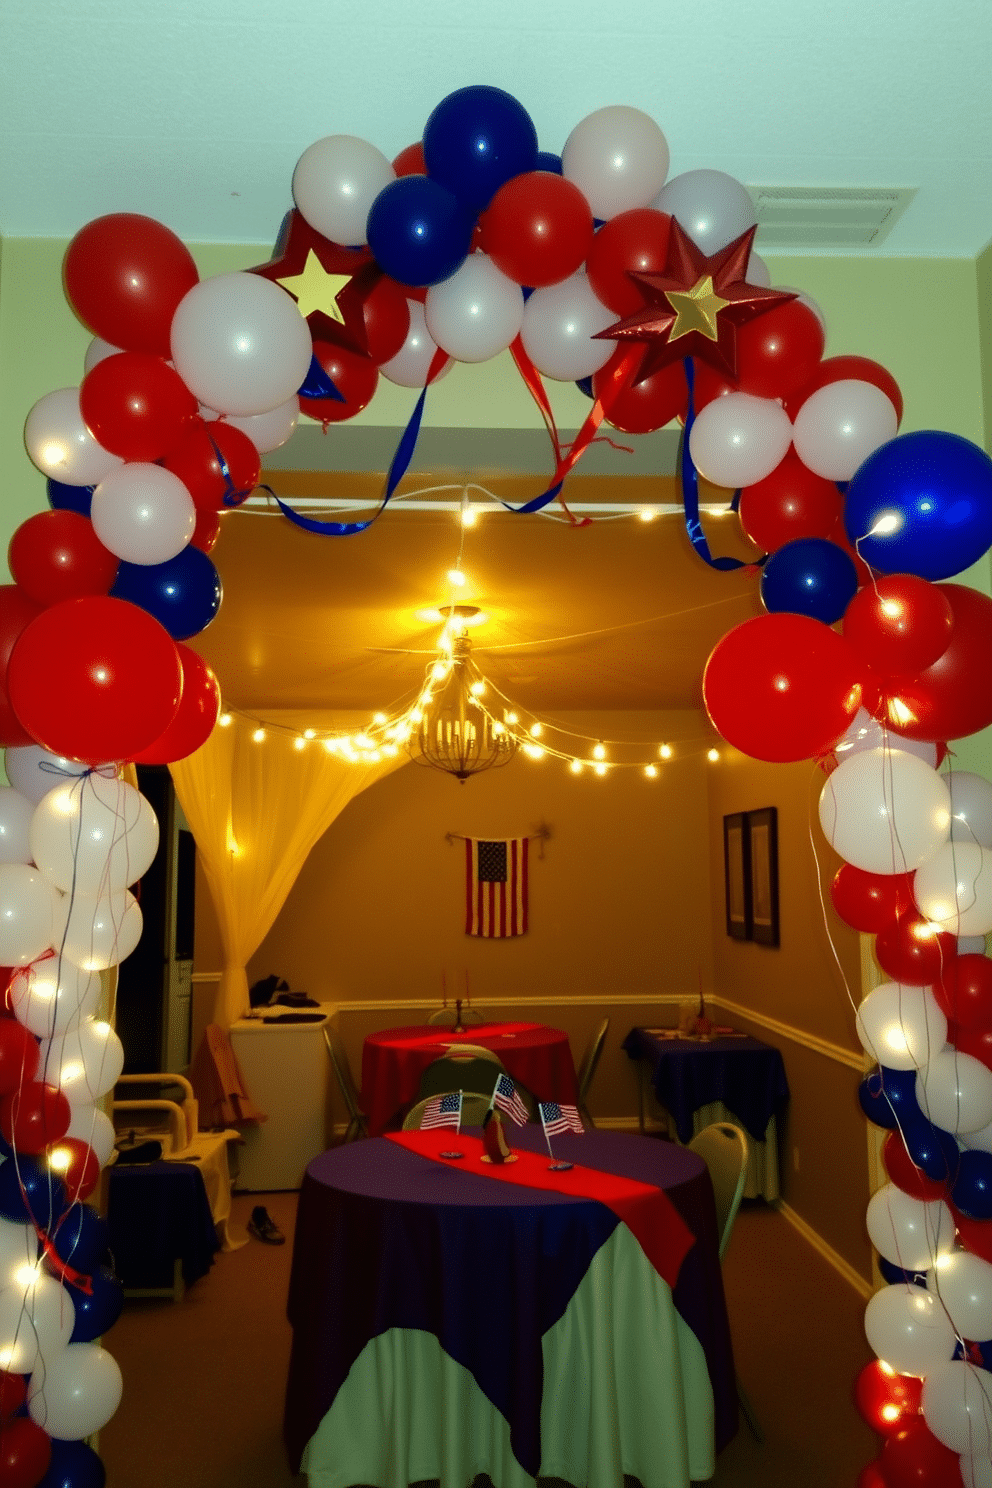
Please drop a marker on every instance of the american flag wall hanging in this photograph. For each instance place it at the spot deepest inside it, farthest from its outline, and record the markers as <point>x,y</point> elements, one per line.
<point>496,887</point>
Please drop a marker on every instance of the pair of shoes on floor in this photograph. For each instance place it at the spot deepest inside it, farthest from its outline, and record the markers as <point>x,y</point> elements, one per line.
<point>264,1227</point>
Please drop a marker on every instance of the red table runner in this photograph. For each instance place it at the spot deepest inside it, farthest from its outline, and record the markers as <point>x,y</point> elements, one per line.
<point>647,1211</point>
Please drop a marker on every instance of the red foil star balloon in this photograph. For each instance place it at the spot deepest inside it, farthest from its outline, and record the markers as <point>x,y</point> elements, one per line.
<point>329,283</point>
<point>693,308</point>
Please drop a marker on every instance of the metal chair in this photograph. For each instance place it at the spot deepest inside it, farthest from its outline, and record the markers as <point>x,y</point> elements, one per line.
<point>450,1016</point>
<point>358,1122</point>
<point>723,1148</point>
<point>474,1108</point>
<point>587,1068</point>
<point>457,1070</point>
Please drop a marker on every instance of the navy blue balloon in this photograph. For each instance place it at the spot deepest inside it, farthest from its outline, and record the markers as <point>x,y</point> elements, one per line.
<point>548,161</point>
<point>317,384</point>
<point>972,1191</point>
<point>70,498</point>
<point>96,1311</point>
<point>893,1274</point>
<point>81,1238</point>
<point>810,576</point>
<point>888,1096</point>
<point>183,594</point>
<point>934,1151</point>
<point>28,1192</point>
<point>476,140</point>
<point>584,385</point>
<point>74,1464</point>
<point>418,230</point>
<point>934,490</point>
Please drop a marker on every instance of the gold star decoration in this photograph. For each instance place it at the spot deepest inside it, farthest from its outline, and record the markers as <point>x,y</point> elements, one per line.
<point>329,282</point>
<point>316,289</point>
<point>693,308</point>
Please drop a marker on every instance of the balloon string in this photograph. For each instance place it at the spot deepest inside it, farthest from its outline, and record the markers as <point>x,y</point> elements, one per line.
<point>690,492</point>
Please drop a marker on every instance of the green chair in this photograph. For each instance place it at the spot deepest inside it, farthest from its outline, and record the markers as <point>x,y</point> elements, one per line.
<point>358,1122</point>
<point>461,1070</point>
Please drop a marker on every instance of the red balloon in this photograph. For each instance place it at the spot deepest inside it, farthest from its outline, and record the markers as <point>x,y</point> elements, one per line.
<point>840,369</point>
<point>647,405</point>
<point>136,405</point>
<point>74,1162</point>
<point>198,712</point>
<point>16,610</point>
<point>207,530</point>
<point>354,376</point>
<point>13,1393</point>
<point>387,320</point>
<point>900,624</point>
<point>631,242</point>
<point>791,503</point>
<point>124,277</point>
<point>56,555</point>
<point>910,950</point>
<point>887,1400</point>
<point>410,162</point>
<point>778,351</point>
<point>18,1056</point>
<point>871,1476</point>
<point>782,687</point>
<point>974,1234</point>
<point>953,697</point>
<point>907,1176</point>
<point>964,991</point>
<point>34,1116</point>
<point>214,460</point>
<point>25,1453</point>
<point>95,679</point>
<point>6,977</point>
<point>913,1458</point>
<point>537,229</point>
<point>974,1041</point>
<point>870,901</point>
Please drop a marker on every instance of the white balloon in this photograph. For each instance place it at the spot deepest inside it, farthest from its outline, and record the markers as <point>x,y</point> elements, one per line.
<point>971,945</point>
<point>957,1406</point>
<point>60,444</point>
<point>34,771</point>
<point>16,812</point>
<point>805,299</point>
<point>268,431</point>
<point>85,1062</point>
<point>901,1027</point>
<point>143,513</point>
<point>840,425</point>
<point>910,1233</point>
<point>971,807</point>
<point>885,811</point>
<point>954,1091</point>
<point>18,1250</point>
<point>712,207</point>
<point>28,910</point>
<point>908,1329</point>
<point>976,1472</point>
<point>963,1283</point>
<point>93,834</point>
<point>865,732</point>
<point>36,1319</point>
<point>953,888</point>
<point>98,351</point>
<point>335,183</point>
<point>95,1128</point>
<point>618,158</point>
<point>739,439</point>
<point>96,931</point>
<point>51,994</point>
<point>476,313</point>
<point>758,271</point>
<point>240,344</point>
<point>560,321</point>
<point>411,364</point>
<point>979,1140</point>
<point>75,1393</point>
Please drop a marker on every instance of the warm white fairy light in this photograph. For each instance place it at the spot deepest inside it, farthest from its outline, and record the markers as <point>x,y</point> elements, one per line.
<point>312,733</point>
<point>380,718</point>
<point>477,689</point>
<point>456,577</point>
<point>599,752</point>
<point>651,771</point>
<point>600,769</point>
<point>665,752</point>
<point>258,736</point>
<point>712,755</point>
<point>647,514</point>
<point>512,718</point>
<point>299,742</point>
<point>225,720</point>
<point>536,730</point>
<point>576,767</point>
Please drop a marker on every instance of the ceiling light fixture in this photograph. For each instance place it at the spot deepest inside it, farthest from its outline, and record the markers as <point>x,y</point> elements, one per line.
<point>455,732</point>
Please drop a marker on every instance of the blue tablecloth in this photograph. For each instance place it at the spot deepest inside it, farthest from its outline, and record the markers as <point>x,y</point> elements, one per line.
<point>389,1239</point>
<point>745,1074</point>
<point>159,1213</point>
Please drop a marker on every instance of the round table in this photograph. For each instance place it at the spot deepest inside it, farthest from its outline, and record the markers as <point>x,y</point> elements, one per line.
<point>537,1057</point>
<point>446,1323</point>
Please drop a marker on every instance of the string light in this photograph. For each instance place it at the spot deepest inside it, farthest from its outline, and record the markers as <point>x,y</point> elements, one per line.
<point>665,752</point>
<point>712,755</point>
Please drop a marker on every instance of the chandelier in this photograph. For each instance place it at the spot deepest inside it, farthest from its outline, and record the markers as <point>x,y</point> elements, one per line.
<point>455,731</point>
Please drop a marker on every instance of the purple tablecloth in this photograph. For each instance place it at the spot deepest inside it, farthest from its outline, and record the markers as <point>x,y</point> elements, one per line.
<point>387,1239</point>
<point>745,1074</point>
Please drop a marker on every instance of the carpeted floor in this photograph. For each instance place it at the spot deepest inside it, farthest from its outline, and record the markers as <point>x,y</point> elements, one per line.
<point>204,1378</point>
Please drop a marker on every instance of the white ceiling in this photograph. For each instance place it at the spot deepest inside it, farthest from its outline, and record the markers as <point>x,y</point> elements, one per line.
<point>196,111</point>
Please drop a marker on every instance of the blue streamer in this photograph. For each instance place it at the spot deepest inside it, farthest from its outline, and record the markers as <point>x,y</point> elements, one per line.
<point>317,384</point>
<point>690,493</point>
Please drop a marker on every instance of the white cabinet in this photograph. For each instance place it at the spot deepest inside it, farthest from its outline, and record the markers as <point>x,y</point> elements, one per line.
<point>287,1073</point>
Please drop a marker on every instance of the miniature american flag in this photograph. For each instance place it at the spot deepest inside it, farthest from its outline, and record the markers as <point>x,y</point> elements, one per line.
<point>556,1119</point>
<point>443,1110</point>
<point>508,1098</point>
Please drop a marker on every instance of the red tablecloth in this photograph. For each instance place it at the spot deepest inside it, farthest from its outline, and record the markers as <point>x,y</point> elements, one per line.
<point>393,1061</point>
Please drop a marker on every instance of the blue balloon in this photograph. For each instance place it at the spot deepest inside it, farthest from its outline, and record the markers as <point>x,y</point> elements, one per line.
<point>547,161</point>
<point>893,1274</point>
<point>972,1191</point>
<point>888,1096</point>
<point>97,1311</point>
<point>70,498</point>
<point>81,1238</point>
<point>810,576</point>
<point>183,594</point>
<point>419,232</point>
<point>934,1151</point>
<point>929,495</point>
<point>28,1192</point>
<point>475,141</point>
<point>584,385</point>
<point>74,1464</point>
<point>317,384</point>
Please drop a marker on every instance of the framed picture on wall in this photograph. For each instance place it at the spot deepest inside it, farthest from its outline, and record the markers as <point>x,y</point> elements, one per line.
<point>762,832</point>
<point>736,868</point>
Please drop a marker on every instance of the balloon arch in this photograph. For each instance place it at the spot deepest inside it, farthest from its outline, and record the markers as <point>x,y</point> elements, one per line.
<point>591,267</point>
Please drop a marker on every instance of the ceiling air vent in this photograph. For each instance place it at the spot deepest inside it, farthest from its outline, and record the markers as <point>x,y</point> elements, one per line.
<point>827,216</point>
